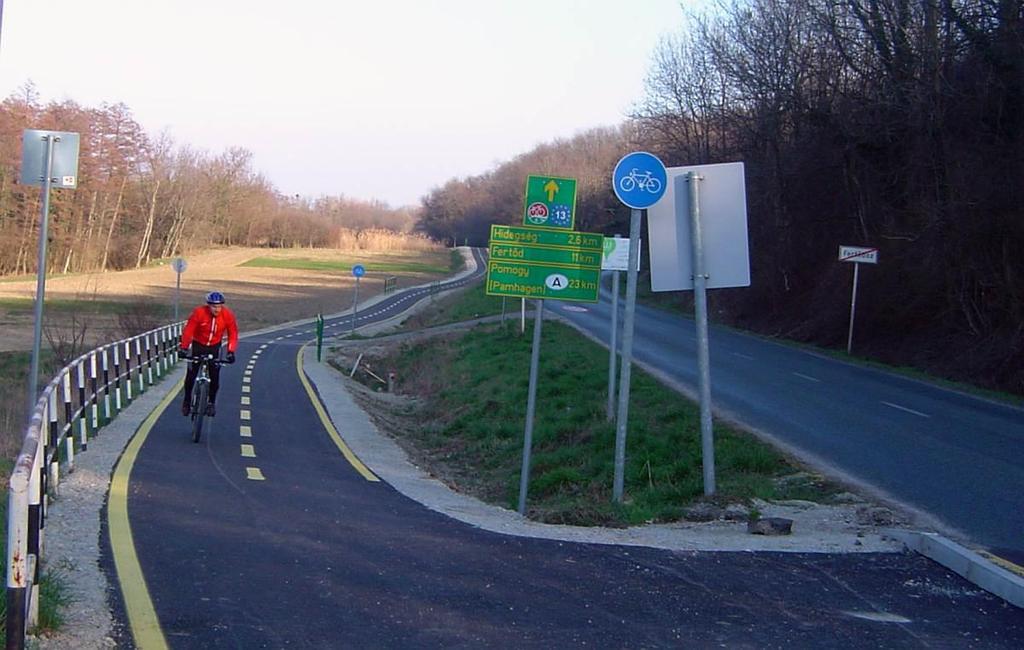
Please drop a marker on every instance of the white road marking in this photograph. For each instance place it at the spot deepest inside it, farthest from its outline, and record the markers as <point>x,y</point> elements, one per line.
<point>263,347</point>
<point>254,474</point>
<point>245,401</point>
<point>904,408</point>
<point>246,380</point>
<point>807,377</point>
<point>245,431</point>
<point>246,415</point>
<point>248,451</point>
<point>744,356</point>
<point>246,389</point>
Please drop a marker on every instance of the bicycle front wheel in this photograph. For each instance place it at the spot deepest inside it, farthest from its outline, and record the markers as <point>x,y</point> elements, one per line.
<point>199,410</point>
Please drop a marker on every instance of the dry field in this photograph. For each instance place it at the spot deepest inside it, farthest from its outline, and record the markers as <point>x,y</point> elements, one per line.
<point>258,296</point>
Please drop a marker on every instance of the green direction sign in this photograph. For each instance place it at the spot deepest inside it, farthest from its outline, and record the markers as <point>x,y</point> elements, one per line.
<point>535,280</point>
<point>536,237</point>
<point>537,263</point>
<point>550,202</point>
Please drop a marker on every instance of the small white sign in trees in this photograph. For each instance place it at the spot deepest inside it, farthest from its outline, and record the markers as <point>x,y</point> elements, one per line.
<point>858,255</point>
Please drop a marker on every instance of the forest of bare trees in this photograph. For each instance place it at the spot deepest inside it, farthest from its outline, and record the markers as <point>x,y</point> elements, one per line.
<point>889,123</point>
<point>140,198</point>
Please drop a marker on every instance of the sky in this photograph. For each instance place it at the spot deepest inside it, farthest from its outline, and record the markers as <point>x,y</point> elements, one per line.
<point>371,99</point>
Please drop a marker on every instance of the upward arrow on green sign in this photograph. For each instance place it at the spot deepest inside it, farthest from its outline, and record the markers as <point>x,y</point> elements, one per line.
<point>550,202</point>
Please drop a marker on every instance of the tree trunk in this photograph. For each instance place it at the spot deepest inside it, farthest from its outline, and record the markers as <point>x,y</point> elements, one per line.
<point>113,223</point>
<point>147,236</point>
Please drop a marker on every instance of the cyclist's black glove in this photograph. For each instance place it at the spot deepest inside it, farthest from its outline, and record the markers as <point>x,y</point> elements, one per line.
<point>231,357</point>
<point>183,354</point>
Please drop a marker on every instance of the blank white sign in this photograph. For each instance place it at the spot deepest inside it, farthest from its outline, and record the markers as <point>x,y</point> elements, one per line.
<point>723,220</point>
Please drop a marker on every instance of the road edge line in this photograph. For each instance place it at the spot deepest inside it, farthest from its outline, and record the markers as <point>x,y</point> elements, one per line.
<point>142,618</point>
<point>349,455</point>
<point>969,564</point>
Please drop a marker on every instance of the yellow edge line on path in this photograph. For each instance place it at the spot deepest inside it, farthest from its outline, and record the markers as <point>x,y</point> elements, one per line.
<point>141,616</point>
<point>1004,563</point>
<point>326,421</point>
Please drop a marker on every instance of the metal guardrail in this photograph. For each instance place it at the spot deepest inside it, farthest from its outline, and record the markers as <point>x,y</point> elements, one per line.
<point>83,397</point>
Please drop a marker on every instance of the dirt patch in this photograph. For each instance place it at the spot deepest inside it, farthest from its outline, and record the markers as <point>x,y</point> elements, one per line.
<point>258,296</point>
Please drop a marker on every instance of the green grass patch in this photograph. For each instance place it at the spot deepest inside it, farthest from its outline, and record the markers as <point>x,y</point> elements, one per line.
<point>462,305</point>
<point>84,306</point>
<point>344,266</point>
<point>474,387</point>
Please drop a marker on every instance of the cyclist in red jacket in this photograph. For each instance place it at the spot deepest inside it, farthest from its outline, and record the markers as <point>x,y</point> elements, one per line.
<point>203,333</point>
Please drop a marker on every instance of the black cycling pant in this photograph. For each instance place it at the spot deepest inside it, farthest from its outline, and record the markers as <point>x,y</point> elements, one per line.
<point>193,370</point>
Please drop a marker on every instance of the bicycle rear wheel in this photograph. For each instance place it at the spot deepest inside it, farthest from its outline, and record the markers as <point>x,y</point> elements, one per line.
<point>199,410</point>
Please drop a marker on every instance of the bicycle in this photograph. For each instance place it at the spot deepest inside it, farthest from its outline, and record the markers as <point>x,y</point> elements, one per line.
<point>645,182</point>
<point>201,392</point>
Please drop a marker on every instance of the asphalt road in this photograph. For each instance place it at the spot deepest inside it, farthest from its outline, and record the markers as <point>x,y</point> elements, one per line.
<point>952,455</point>
<point>311,550</point>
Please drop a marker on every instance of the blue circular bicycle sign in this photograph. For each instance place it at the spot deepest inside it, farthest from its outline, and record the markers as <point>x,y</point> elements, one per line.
<point>358,270</point>
<point>639,179</point>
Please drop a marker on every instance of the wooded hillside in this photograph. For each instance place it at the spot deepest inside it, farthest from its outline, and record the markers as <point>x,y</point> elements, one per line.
<point>140,198</point>
<point>889,123</point>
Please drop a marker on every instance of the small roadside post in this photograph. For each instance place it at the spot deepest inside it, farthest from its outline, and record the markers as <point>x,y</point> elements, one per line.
<point>48,159</point>
<point>639,181</point>
<point>358,271</point>
<point>179,265</point>
<point>319,334</point>
<point>857,255</point>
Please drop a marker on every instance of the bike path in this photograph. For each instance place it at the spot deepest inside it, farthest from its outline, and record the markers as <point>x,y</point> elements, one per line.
<point>317,554</point>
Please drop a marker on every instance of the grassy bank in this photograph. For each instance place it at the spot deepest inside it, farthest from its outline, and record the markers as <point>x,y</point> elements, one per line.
<point>469,420</point>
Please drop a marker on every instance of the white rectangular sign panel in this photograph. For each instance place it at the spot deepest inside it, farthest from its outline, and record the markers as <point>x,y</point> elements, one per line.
<point>723,219</point>
<point>858,254</point>
<point>616,254</point>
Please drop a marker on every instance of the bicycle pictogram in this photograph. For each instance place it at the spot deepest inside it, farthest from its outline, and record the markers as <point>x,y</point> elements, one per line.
<point>645,182</point>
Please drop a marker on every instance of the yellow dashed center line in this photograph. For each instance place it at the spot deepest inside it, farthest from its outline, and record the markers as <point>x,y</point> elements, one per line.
<point>254,474</point>
<point>248,451</point>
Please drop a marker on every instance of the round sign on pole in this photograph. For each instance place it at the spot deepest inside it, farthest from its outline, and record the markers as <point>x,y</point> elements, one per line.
<point>639,179</point>
<point>358,271</point>
<point>179,265</point>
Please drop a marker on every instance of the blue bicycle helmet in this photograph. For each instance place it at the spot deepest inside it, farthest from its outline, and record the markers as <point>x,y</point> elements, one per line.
<point>215,298</point>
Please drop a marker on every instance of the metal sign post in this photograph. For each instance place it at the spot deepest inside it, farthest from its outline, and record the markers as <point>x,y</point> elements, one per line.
<point>531,403</point>
<point>858,255</point>
<point>357,271</point>
<point>179,265</point>
<point>700,301</point>
<point>45,164</point>
<point>613,348</point>
<point>615,259</point>
<point>638,180</point>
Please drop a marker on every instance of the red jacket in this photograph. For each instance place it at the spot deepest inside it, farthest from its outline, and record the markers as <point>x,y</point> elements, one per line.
<point>204,329</point>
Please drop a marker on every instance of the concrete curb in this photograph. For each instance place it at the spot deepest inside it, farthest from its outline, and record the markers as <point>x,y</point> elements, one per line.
<point>971,565</point>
